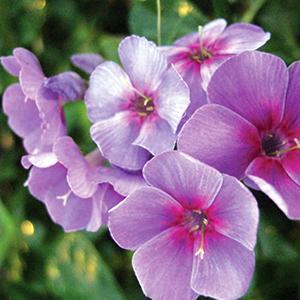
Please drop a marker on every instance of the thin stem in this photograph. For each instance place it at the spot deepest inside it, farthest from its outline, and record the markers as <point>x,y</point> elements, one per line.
<point>158,22</point>
<point>252,11</point>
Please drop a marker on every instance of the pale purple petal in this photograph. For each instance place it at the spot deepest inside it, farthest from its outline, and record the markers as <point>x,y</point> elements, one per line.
<point>50,186</point>
<point>23,116</point>
<point>31,74</point>
<point>40,160</point>
<point>67,86</point>
<point>210,32</point>
<point>226,269</point>
<point>254,85</point>
<point>213,30</point>
<point>81,176</point>
<point>234,212</point>
<point>114,139</point>
<point>292,108</point>
<point>163,266</point>
<point>123,182</point>
<point>190,182</point>
<point>109,90</point>
<point>156,136</point>
<point>172,98</point>
<point>98,206</point>
<point>40,180</point>
<point>209,67</point>
<point>144,214</point>
<point>220,138</point>
<point>188,39</point>
<point>143,62</point>
<point>198,96</point>
<point>104,199</point>
<point>53,125</point>
<point>240,37</point>
<point>110,199</point>
<point>73,215</point>
<point>272,179</point>
<point>87,61</point>
<point>10,64</point>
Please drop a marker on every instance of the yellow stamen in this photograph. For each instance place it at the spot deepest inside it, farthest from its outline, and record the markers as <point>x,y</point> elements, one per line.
<point>142,114</point>
<point>296,147</point>
<point>195,228</point>
<point>146,101</point>
<point>200,251</point>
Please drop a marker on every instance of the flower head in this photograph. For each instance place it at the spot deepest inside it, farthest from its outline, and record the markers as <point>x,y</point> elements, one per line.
<point>194,230</point>
<point>135,114</point>
<point>34,106</point>
<point>252,128</point>
<point>197,56</point>
<point>78,191</point>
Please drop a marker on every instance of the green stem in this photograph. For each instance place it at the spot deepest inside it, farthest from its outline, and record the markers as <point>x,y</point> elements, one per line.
<point>158,22</point>
<point>252,11</point>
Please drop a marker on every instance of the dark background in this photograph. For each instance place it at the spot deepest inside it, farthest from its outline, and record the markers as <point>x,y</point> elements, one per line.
<point>38,260</point>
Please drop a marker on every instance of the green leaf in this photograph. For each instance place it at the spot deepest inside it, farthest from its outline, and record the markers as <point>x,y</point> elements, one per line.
<point>109,46</point>
<point>75,270</point>
<point>272,245</point>
<point>7,231</point>
<point>79,125</point>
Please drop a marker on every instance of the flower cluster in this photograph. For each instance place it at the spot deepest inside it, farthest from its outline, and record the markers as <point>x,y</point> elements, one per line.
<point>176,128</point>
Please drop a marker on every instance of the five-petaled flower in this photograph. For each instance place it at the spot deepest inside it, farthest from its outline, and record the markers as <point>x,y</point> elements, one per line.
<point>194,230</point>
<point>196,56</point>
<point>252,128</point>
<point>136,114</point>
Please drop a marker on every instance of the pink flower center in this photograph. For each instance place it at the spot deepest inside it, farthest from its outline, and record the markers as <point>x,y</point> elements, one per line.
<point>196,222</point>
<point>143,106</point>
<point>275,144</point>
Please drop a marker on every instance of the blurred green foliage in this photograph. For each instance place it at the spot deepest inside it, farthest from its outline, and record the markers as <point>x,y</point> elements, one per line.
<point>38,260</point>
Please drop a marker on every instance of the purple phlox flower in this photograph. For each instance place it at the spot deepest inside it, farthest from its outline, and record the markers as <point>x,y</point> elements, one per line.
<point>34,106</point>
<point>252,128</point>
<point>135,114</point>
<point>196,56</point>
<point>87,61</point>
<point>193,229</point>
<point>24,64</point>
<point>75,194</point>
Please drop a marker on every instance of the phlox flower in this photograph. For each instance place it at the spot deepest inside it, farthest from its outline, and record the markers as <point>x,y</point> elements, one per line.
<point>196,56</point>
<point>193,229</point>
<point>78,191</point>
<point>252,128</point>
<point>34,105</point>
<point>135,111</point>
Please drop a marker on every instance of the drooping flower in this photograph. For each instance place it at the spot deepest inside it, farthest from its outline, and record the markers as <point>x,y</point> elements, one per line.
<point>252,128</point>
<point>135,114</point>
<point>193,229</point>
<point>87,61</point>
<point>34,106</point>
<point>196,56</point>
<point>78,191</point>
